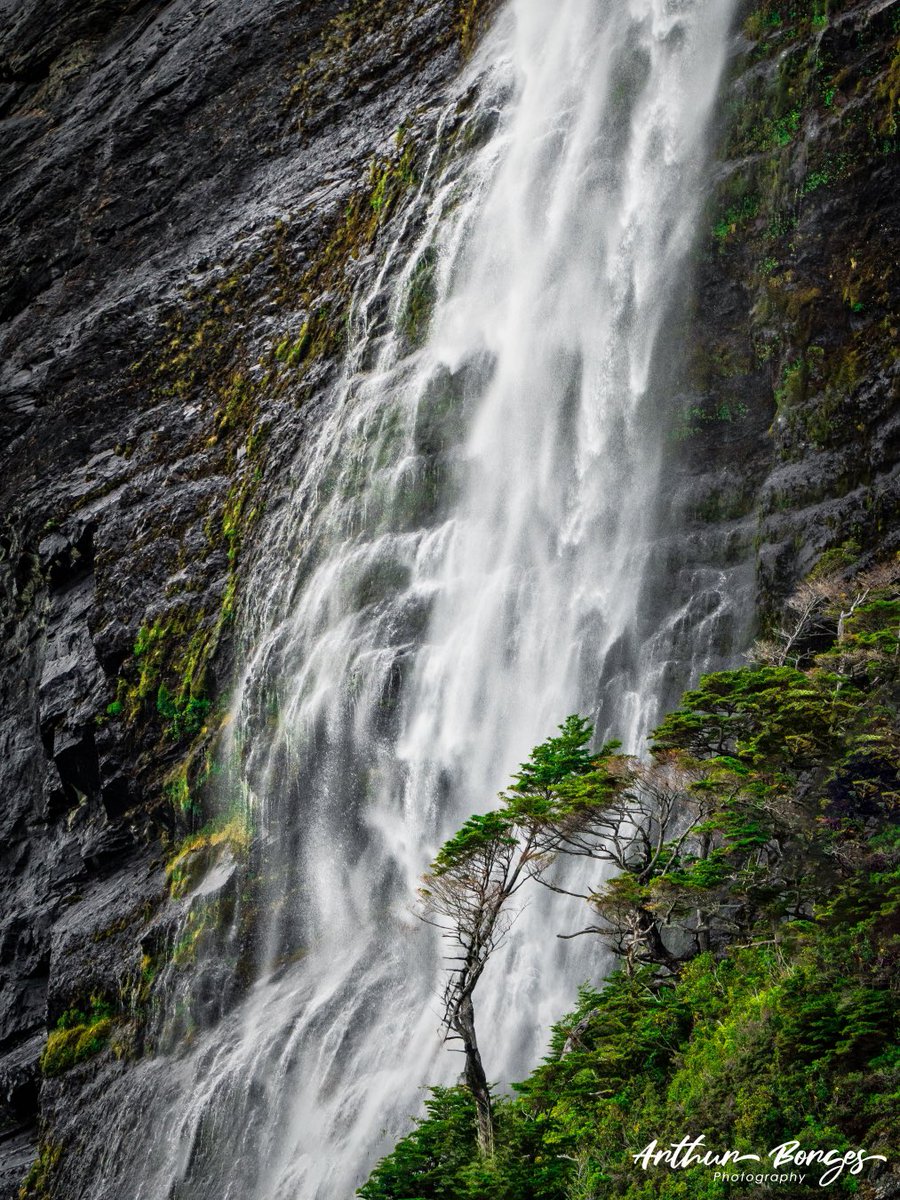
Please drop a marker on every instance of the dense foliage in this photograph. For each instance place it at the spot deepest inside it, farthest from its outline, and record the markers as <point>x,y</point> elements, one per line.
<point>765,1007</point>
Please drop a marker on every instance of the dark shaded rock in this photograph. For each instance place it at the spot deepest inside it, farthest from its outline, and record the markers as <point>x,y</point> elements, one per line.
<point>20,1082</point>
<point>787,433</point>
<point>108,848</point>
<point>165,170</point>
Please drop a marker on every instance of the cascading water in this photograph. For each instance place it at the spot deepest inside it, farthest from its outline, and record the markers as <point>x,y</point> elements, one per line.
<point>470,553</point>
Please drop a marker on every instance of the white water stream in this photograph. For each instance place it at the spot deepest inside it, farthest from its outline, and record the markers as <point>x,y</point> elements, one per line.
<point>466,560</point>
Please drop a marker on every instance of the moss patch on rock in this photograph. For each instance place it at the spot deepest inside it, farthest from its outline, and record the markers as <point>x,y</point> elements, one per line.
<point>79,1035</point>
<point>38,1183</point>
<point>195,856</point>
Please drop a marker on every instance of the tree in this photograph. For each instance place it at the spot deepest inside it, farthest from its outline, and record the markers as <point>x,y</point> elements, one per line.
<point>470,881</point>
<point>760,841</point>
<point>759,716</point>
<point>807,619</point>
<point>817,612</point>
<point>474,876</point>
<point>642,818</point>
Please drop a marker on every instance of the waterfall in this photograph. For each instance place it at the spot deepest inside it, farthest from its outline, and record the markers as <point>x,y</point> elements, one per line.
<point>471,550</point>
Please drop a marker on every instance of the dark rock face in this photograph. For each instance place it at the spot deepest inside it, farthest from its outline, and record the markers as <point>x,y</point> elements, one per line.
<point>176,183</point>
<point>788,435</point>
<point>169,172</point>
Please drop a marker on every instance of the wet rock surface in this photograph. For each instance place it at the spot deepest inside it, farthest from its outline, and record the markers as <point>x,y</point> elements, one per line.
<point>162,166</point>
<point>786,442</point>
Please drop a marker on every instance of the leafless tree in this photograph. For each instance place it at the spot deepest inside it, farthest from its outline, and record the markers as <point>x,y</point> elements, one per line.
<point>821,607</point>
<point>808,613</point>
<point>466,895</point>
<point>640,818</point>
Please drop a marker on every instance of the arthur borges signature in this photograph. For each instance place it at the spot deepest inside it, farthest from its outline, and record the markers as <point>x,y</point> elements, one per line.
<point>687,1153</point>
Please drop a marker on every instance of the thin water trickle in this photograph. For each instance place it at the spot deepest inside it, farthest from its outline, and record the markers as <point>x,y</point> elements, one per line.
<point>470,554</point>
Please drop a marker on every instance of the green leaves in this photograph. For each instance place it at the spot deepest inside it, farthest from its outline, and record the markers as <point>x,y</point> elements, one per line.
<point>428,1162</point>
<point>551,762</point>
<point>533,797</point>
<point>480,834</point>
<point>780,852</point>
<point>590,790</point>
<point>762,716</point>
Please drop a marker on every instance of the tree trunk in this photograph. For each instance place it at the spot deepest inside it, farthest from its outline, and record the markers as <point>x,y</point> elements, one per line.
<point>649,934</point>
<point>476,1080</point>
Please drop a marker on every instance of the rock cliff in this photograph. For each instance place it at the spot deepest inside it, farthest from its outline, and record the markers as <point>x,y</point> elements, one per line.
<point>190,194</point>
<point>176,180</point>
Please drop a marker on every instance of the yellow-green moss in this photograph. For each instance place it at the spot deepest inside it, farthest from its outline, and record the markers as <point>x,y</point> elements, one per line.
<point>199,852</point>
<point>420,297</point>
<point>200,930</point>
<point>79,1035</point>
<point>168,671</point>
<point>323,331</point>
<point>38,1182</point>
<point>66,1047</point>
<point>471,19</point>
<point>205,354</point>
<point>345,48</point>
<point>774,18</point>
<point>888,92</point>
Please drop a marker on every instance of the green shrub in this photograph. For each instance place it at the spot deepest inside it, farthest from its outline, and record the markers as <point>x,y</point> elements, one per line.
<point>787,1029</point>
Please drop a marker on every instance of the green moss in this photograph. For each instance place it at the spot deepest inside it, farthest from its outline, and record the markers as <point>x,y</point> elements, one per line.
<point>420,298</point>
<point>792,388</point>
<point>294,353</point>
<point>838,558</point>
<point>818,393</point>
<point>735,217</point>
<point>168,672</point>
<point>187,781</point>
<point>698,418</point>
<point>323,332</point>
<point>888,93</point>
<point>38,1183</point>
<point>79,1035</point>
<point>199,931</point>
<point>831,169</point>
<point>471,20</point>
<point>186,715</point>
<point>787,21</point>
<point>238,404</point>
<point>178,792</point>
<point>787,1026</point>
<point>345,49</point>
<point>198,852</point>
<point>205,355</point>
<point>725,504</point>
<point>198,348</point>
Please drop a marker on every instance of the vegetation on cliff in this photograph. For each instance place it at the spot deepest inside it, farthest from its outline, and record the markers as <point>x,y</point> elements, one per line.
<point>78,1035</point>
<point>756,915</point>
<point>792,347</point>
